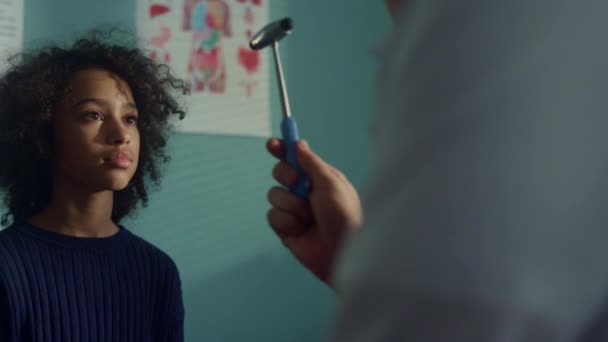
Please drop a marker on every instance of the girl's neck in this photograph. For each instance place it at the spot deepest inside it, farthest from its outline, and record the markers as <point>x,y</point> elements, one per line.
<point>78,214</point>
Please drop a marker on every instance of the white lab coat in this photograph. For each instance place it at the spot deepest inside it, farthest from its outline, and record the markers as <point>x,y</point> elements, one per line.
<point>486,213</point>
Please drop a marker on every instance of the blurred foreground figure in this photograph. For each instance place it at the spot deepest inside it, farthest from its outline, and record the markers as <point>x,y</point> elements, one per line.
<point>486,212</point>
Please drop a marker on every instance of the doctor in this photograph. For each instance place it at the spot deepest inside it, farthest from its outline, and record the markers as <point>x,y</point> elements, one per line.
<point>486,213</point>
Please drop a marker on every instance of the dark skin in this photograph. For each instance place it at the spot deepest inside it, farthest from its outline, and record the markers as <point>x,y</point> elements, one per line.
<point>313,231</point>
<point>393,6</point>
<point>96,143</point>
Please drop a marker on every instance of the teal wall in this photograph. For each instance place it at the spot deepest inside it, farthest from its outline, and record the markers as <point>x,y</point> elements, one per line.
<point>239,283</point>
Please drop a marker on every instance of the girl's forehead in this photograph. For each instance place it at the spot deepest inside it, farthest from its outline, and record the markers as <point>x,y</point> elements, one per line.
<point>97,82</point>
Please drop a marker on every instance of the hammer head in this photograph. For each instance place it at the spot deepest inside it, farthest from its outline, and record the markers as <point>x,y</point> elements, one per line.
<point>271,33</point>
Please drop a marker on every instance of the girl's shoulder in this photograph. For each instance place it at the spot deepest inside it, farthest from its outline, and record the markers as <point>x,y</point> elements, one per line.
<point>8,237</point>
<point>11,249</point>
<point>153,252</point>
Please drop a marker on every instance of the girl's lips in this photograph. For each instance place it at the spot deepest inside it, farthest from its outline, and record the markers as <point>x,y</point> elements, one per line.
<point>120,160</point>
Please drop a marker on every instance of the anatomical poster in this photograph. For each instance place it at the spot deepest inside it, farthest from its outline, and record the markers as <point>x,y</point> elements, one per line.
<point>11,30</point>
<point>206,43</point>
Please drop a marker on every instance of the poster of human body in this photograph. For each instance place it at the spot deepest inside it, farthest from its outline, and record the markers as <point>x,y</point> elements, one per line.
<point>11,30</point>
<point>206,43</point>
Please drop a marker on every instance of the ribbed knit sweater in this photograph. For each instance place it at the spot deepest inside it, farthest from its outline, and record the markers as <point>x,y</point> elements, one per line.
<point>59,288</point>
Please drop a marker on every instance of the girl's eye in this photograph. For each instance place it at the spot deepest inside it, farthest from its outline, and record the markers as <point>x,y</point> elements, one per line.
<point>132,120</point>
<point>93,116</point>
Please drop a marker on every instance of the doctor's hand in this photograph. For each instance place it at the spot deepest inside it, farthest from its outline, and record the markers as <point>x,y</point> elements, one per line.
<point>313,230</point>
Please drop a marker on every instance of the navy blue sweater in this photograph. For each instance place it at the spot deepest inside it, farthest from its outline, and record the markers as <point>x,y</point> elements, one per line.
<point>58,288</point>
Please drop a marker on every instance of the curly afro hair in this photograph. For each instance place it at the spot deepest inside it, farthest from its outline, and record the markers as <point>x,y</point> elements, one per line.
<point>33,86</point>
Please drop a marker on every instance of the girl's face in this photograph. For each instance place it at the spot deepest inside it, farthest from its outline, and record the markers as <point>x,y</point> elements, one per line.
<point>96,137</point>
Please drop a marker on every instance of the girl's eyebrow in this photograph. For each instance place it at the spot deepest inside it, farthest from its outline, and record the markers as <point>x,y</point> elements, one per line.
<point>101,102</point>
